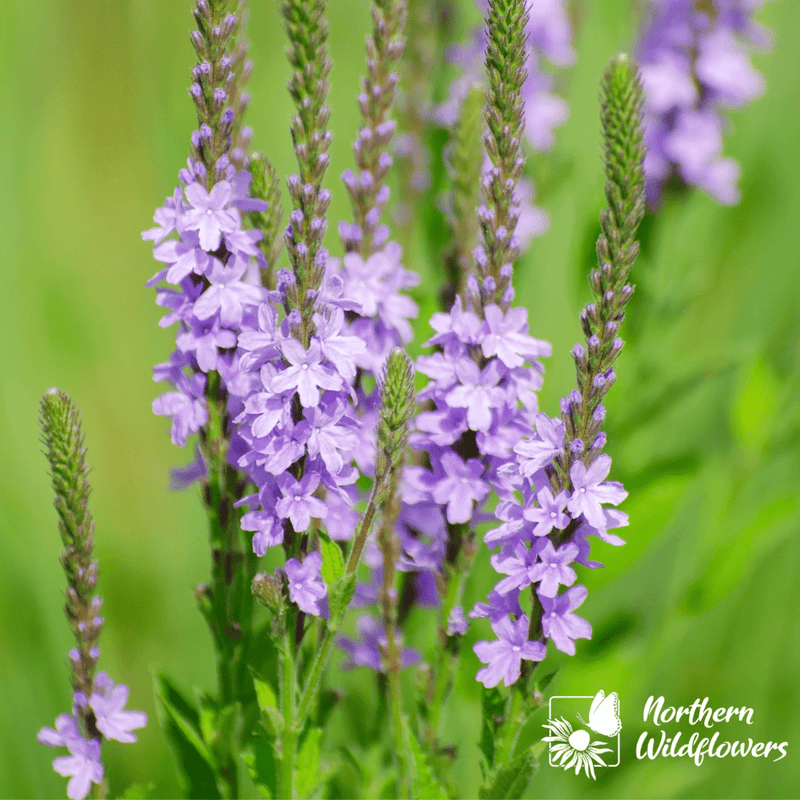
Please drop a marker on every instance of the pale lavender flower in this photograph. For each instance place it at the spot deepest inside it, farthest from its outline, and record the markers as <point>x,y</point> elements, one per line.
<point>549,513</point>
<point>82,766</point>
<point>306,587</point>
<point>503,657</point>
<point>457,623</point>
<point>305,372</point>
<point>590,490</point>
<point>368,651</point>
<point>560,624</point>
<point>107,701</point>
<point>553,569</point>
<point>694,65</point>
<point>209,213</point>
<point>298,503</point>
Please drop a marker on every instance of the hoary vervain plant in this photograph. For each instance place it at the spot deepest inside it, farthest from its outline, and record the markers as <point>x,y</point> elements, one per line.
<point>331,482</point>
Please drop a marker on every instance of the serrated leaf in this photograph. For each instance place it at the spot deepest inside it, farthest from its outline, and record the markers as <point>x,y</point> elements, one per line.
<point>493,707</point>
<point>268,703</point>
<point>339,597</point>
<point>262,765</point>
<point>546,680</point>
<point>308,775</point>
<point>423,782</point>
<point>510,780</point>
<point>180,721</point>
<point>332,560</point>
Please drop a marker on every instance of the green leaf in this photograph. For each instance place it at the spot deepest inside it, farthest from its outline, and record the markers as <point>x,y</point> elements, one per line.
<point>332,560</point>
<point>262,765</point>
<point>494,708</point>
<point>268,703</point>
<point>180,721</point>
<point>308,773</point>
<point>510,780</point>
<point>423,782</point>
<point>339,597</point>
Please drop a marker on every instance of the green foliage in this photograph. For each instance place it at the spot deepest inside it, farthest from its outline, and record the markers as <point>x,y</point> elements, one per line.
<point>332,560</point>
<point>180,721</point>
<point>262,766</point>
<point>308,772</point>
<point>424,783</point>
<point>509,780</point>
<point>493,708</point>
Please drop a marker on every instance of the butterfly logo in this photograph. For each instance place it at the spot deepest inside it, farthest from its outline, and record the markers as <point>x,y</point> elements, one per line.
<point>604,714</point>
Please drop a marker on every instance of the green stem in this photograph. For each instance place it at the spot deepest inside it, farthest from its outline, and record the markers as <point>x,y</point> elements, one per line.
<point>291,727</point>
<point>450,646</point>
<point>230,616</point>
<point>511,725</point>
<point>400,743</point>
<point>321,657</point>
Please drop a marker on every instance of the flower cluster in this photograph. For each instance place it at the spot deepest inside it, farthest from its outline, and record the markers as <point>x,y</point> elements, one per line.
<point>212,265</point>
<point>541,536</point>
<point>482,393</point>
<point>299,411</point>
<point>111,721</point>
<point>97,702</point>
<point>695,63</point>
<point>559,472</point>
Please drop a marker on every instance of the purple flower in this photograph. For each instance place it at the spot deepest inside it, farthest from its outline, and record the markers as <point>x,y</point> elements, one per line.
<point>549,513</point>
<point>559,624</point>
<point>694,64</point>
<point>553,569</point>
<point>499,606</point>
<point>460,487</point>
<point>589,491</point>
<point>269,531</point>
<point>188,411</point>
<point>538,451</point>
<point>507,337</point>
<point>504,657</point>
<point>368,652</point>
<point>477,392</point>
<point>457,623</point>
<point>228,294</point>
<point>82,765</point>
<point>208,214</point>
<point>306,587</point>
<point>305,373</point>
<point>517,562</point>
<point>108,705</point>
<point>298,503</point>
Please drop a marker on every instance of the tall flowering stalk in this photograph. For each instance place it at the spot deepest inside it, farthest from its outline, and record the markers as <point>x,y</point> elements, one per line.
<point>695,64</point>
<point>98,703</point>
<point>560,471</point>
<point>483,380</point>
<point>213,263</point>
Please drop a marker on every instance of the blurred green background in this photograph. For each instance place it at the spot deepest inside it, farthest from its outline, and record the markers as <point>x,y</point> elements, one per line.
<point>704,421</point>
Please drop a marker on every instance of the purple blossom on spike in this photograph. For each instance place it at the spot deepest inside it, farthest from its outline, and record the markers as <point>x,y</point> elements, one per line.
<point>306,587</point>
<point>503,657</point>
<point>695,64</point>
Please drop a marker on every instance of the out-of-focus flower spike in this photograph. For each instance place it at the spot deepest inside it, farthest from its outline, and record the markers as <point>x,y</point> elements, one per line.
<point>266,186</point>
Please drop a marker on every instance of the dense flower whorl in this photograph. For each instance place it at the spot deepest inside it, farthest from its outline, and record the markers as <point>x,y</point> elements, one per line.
<point>694,64</point>
<point>482,397</point>
<point>297,408</point>
<point>542,533</point>
<point>213,263</point>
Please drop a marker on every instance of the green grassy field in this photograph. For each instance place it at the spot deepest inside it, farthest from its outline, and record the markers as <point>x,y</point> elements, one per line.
<point>704,422</point>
